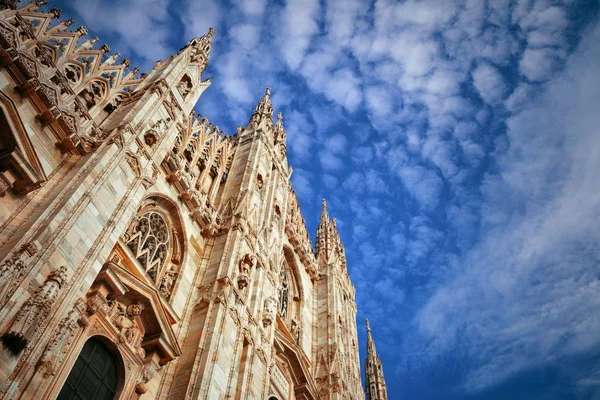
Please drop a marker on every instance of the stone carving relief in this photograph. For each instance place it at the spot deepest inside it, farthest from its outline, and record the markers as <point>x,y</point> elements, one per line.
<point>296,330</point>
<point>167,283</point>
<point>34,312</point>
<point>197,166</point>
<point>62,339</point>
<point>269,311</point>
<point>134,162</point>
<point>245,266</point>
<point>124,319</point>
<point>185,86</point>
<point>156,132</point>
<point>148,372</point>
<point>13,270</point>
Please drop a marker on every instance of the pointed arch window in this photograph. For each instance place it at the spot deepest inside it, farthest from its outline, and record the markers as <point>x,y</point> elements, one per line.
<point>154,243</point>
<point>149,239</point>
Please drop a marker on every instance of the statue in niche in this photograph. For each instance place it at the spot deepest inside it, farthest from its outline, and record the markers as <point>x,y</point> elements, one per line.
<point>246,264</point>
<point>296,330</point>
<point>184,86</point>
<point>269,310</point>
<point>283,291</point>
<point>167,283</point>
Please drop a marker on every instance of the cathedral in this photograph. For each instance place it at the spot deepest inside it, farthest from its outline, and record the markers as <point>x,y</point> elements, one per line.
<point>145,254</point>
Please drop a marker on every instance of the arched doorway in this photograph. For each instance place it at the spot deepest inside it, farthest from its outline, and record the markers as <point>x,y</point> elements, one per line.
<point>94,375</point>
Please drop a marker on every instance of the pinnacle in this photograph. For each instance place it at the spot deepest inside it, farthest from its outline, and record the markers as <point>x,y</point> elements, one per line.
<point>263,110</point>
<point>324,213</point>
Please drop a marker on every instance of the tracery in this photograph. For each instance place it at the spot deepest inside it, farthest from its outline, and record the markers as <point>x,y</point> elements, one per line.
<point>148,237</point>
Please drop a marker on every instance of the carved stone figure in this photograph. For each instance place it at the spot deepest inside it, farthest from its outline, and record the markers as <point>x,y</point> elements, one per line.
<point>34,312</point>
<point>54,352</point>
<point>125,321</point>
<point>295,328</point>
<point>246,264</point>
<point>269,310</point>
<point>167,283</point>
<point>283,291</point>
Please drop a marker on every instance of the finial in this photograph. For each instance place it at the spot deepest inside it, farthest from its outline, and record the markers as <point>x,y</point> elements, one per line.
<point>211,31</point>
<point>69,22</point>
<point>105,48</point>
<point>268,91</point>
<point>82,31</point>
<point>324,203</point>
<point>56,12</point>
<point>368,326</point>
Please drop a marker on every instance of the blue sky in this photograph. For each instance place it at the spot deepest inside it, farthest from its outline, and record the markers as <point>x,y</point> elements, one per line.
<point>457,143</point>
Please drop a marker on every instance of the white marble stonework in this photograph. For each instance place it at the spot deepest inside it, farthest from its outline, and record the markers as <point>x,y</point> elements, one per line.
<point>132,224</point>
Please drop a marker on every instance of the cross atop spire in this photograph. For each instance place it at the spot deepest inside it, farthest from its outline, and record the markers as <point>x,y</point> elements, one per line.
<point>263,111</point>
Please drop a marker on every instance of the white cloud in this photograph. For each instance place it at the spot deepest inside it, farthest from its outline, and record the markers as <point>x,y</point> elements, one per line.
<point>424,184</point>
<point>489,83</point>
<point>193,24</point>
<point>528,293</point>
<point>253,8</point>
<point>538,64</point>
<point>299,139</point>
<point>247,35</point>
<point>336,143</point>
<point>302,183</point>
<point>300,23</point>
<point>330,161</point>
<point>135,22</point>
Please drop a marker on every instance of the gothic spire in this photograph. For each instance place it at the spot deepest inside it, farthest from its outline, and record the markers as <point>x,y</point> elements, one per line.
<point>322,236</point>
<point>200,49</point>
<point>374,381</point>
<point>324,213</point>
<point>263,111</point>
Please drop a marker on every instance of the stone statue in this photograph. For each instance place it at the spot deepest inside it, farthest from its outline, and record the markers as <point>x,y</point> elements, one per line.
<point>34,312</point>
<point>168,281</point>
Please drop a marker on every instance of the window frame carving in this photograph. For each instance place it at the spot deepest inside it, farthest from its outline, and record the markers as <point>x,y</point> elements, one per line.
<point>168,271</point>
<point>20,167</point>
